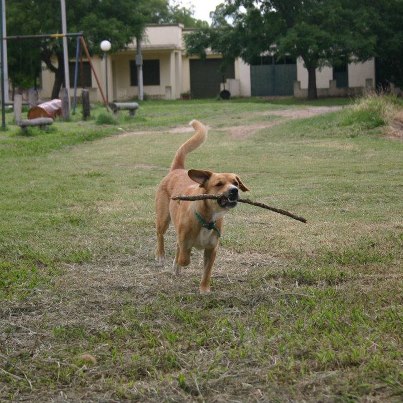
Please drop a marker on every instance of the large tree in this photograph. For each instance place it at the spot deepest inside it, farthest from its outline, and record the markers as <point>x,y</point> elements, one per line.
<point>119,21</point>
<point>116,20</point>
<point>320,32</point>
<point>389,40</point>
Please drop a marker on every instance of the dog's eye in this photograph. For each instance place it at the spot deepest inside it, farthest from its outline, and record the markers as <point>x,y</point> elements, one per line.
<point>219,184</point>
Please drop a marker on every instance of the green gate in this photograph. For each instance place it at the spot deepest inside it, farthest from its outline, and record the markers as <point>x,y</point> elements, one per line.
<point>273,79</point>
<point>206,77</point>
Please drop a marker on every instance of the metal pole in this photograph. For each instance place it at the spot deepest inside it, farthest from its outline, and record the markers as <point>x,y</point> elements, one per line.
<point>106,77</point>
<point>3,106</point>
<point>5,77</point>
<point>43,36</point>
<point>93,70</point>
<point>76,75</point>
<point>139,64</point>
<point>65,51</point>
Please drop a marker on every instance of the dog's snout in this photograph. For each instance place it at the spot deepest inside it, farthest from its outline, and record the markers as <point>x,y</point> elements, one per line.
<point>233,193</point>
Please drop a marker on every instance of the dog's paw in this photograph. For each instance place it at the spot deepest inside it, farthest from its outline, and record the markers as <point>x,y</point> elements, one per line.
<point>160,261</point>
<point>176,269</point>
<point>204,290</point>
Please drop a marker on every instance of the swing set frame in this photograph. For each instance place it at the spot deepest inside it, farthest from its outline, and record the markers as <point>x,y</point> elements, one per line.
<point>80,42</point>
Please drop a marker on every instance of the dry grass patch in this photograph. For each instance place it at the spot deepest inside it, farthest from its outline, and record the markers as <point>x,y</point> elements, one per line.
<point>297,313</point>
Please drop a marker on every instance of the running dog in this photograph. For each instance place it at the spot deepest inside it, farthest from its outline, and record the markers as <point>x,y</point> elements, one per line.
<point>198,224</point>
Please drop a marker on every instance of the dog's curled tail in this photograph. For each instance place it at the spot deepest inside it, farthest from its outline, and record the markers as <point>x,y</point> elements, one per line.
<point>195,141</point>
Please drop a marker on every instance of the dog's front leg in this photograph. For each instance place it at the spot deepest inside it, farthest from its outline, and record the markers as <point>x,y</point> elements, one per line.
<point>182,258</point>
<point>209,258</point>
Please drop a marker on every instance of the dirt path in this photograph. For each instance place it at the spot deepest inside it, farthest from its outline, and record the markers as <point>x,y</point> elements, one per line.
<point>245,131</point>
<point>286,114</point>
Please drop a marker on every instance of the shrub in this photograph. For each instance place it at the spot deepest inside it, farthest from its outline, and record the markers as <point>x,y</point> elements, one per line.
<point>373,110</point>
<point>106,119</point>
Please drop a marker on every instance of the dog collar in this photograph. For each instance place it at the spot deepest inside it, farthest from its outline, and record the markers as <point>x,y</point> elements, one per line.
<point>209,225</point>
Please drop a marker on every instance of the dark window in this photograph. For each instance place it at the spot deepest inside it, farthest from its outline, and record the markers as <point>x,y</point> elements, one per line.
<point>340,74</point>
<point>84,74</point>
<point>151,72</point>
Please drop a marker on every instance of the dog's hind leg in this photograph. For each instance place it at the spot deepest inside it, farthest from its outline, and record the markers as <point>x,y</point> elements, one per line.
<point>162,224</point>
<point>176,267</point>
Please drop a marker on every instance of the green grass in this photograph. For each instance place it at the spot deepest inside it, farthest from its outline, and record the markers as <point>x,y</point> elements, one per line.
<point>297,312</point>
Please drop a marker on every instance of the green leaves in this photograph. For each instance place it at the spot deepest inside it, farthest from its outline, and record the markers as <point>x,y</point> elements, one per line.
<point>320,32</point>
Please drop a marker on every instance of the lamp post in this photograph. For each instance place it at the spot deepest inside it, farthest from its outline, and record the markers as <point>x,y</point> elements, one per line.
<point>106,47</point>
<point>3,107</point>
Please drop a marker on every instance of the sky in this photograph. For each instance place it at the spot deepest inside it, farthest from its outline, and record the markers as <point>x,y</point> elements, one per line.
<point>203,7</point>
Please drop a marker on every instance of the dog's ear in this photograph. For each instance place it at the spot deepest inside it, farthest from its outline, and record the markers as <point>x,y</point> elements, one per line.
<point>241,185</point>
<point>199,176</point>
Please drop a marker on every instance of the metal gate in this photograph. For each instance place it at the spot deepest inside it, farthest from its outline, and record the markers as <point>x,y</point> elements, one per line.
<point>273,79</point>
<point>206,77</point>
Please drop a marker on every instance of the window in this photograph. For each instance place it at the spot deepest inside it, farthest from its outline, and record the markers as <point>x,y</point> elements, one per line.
<point>151,72</point>
<point>340,74</point>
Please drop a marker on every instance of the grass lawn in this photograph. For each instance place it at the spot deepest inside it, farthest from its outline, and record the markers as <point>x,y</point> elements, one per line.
<point>297,312</point>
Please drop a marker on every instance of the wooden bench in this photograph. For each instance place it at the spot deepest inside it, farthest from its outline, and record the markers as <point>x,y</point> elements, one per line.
<point>40,122</point>
<point>124,106</point>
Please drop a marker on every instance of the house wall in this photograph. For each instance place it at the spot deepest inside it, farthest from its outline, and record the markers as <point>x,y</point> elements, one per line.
<point>163,36</point>
<point>48,79</point>
<point>361,76</point>
<point>185,75</point>
<point>360,73</point>
<point>323,76</point>
<point>242,73</point>
<point>165,42</point>
<point>121,76</point>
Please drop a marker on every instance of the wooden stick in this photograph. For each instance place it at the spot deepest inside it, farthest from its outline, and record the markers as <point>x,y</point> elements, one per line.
<point>247,201</point>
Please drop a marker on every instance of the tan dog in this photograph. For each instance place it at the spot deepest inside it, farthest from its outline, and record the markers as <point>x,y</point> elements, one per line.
<point>198,224</point>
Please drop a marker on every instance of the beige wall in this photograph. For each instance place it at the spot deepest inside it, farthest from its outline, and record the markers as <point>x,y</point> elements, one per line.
<point>323,76</point>
<point>163,36</point>
<point>358,75</point>
<point>121,76</point>
<point>242,73</point>
<point>185,75</point>
<point>48,79</point>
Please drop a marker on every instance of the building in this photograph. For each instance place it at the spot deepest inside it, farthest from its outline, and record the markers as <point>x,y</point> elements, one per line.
<point>169,73</point>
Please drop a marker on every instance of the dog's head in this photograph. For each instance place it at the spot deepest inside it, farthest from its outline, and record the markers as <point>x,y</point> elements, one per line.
<point>226,184</point>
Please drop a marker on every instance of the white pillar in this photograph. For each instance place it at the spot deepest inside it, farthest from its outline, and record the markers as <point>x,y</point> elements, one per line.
<point>172,76</point>
<point>178,69</point>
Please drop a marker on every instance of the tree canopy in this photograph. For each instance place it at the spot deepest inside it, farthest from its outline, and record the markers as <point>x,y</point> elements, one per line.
<point>389,43</point>
<point>119,21</point>
<point>320,32</point>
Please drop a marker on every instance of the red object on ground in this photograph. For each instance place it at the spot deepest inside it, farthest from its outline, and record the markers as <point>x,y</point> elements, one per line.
<point>49,109</point>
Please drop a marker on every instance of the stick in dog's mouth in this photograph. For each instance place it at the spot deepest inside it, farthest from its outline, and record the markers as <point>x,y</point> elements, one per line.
<point>227,202</point>
<point>247,201</point>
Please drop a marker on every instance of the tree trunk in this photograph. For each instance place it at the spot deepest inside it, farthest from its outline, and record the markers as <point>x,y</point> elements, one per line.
<point>312,90</point>
<point>59,77</point>
<point>46,56</point>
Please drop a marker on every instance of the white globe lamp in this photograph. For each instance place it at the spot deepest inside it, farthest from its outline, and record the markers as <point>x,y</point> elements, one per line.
<point>106,47</point>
